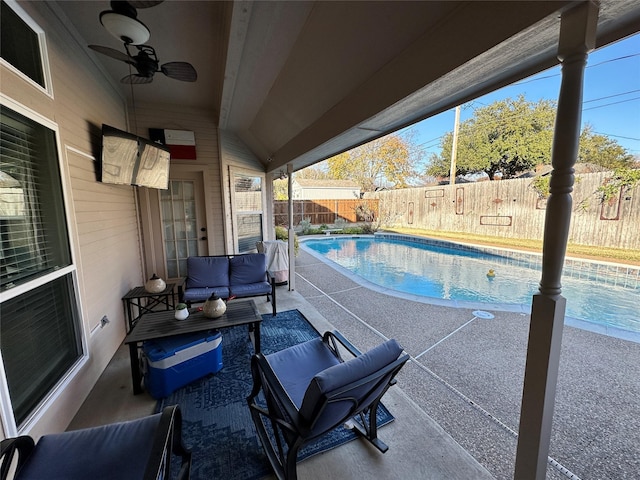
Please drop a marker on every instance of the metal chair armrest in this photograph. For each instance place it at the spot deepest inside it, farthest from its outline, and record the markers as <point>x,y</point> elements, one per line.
<point>167,440</point>
<point>260,366</point>
<point>9,447</point>
<point>330,339</point>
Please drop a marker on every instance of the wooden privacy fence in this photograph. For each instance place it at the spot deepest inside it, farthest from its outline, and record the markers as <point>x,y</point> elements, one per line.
<point>323,211</point>
<point>513,209</point>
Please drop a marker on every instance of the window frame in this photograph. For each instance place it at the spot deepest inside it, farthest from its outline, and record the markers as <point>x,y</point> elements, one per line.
<point>6,407</point>
<point>47,89</point>
<point>233,172</point>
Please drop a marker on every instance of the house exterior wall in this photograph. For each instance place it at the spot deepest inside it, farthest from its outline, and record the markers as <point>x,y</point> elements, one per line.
<point>206,164</point>
<point>324,193</point>
<point>307,189</point>
<point>103,226</point>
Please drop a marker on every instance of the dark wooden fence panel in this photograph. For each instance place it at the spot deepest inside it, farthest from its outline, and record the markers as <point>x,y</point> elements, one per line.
<point>321,212</point>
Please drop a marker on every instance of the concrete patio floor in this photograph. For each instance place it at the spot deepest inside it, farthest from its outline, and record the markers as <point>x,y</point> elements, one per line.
<point>457,402</point>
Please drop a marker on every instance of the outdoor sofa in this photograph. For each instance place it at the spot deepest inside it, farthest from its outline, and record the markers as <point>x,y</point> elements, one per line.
<point>228,276</point>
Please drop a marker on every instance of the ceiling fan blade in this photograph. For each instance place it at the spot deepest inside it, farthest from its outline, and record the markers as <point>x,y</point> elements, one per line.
<point>136,79</point>
<point>113,53</point>
<point>145,3</point>
<point>180,71</point>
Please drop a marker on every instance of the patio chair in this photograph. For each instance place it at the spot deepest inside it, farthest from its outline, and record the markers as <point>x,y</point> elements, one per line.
<point>309,390</point>
<point>134,450</point>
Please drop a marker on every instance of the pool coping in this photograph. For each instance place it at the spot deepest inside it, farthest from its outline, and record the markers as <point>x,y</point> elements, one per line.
<point>607,330</point>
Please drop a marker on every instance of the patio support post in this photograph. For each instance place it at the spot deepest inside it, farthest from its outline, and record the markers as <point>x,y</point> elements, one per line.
<point>291,233</point>
<point>577,38</point>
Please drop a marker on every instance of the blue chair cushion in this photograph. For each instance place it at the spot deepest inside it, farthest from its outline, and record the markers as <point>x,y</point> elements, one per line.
<point>247,269</point>
<point>337,376</point>
<point>250,290</point>
<point>94,453</point>
<point>207,272</point>
<point>296,366</point>
<point>202,294</point>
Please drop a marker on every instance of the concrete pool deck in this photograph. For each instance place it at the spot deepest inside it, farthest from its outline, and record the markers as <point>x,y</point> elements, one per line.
<point>466,373</point>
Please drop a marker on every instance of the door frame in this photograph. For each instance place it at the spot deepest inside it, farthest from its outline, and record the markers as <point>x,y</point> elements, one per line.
<point>151,234</point>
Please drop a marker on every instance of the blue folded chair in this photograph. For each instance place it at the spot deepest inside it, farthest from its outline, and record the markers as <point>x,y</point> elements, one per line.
<point>135,450</point>
<point>305,391</point>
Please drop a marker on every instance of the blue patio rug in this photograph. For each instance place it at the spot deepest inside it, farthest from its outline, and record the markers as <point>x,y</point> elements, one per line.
<point>216,423</point>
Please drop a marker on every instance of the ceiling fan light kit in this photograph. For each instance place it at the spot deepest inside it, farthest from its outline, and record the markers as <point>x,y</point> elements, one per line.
<point>126,29</point>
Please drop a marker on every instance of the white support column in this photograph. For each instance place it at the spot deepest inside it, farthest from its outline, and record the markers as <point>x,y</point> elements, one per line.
<point>292,233</point>
<point>577,38</point>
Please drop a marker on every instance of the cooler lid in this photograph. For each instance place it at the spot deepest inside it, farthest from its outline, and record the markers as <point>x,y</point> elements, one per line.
<point>161,348</point>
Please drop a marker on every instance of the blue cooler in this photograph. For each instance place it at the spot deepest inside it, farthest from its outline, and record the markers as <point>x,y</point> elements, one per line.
<point>173,362</point>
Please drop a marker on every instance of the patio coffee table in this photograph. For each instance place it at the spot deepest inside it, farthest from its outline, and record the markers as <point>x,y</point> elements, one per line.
<point>151,326</point>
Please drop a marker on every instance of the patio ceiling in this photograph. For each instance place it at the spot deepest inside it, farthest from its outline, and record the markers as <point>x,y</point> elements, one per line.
<point>299,82</point>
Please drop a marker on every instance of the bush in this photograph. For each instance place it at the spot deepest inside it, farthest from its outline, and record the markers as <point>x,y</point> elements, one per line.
<point>305,226</point>
<point>283,234</point>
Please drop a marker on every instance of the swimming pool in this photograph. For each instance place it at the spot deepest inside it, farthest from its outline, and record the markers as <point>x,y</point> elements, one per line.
<point>606,296</point>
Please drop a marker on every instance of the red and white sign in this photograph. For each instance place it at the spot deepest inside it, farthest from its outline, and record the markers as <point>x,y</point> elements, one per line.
<point>181,143</point>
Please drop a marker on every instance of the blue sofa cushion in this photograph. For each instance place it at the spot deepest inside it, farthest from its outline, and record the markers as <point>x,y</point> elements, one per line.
<point>207,272</point>
<point>342,374</point>
<point>250,290</point>
<point>296,366</point>
<point>247,269</point>
<point>202,294</point>
<point>94,453</point>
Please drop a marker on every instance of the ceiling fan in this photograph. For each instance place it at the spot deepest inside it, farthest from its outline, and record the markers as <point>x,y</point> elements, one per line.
<point>123,24</point>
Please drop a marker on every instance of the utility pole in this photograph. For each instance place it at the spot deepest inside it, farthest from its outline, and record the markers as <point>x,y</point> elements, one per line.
<point>454,148</point>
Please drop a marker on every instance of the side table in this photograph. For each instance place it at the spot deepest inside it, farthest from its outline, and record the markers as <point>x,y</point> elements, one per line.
<point>147,302</point>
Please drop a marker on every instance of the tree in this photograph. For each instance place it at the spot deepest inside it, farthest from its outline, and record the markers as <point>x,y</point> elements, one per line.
<point>313,172</point>
<point>280,189</point>
<point>602,150</point>
<point>509,136</point>
<point>513,136</point>
<point>389,160</point>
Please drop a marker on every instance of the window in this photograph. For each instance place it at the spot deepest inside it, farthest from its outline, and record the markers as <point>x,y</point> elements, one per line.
<point>33,231</point>
<point>248,201</point>
<point>20,45</point>
<point>39,337</point>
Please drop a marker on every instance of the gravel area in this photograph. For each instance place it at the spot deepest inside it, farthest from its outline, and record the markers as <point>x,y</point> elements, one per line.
<point>467,374</point>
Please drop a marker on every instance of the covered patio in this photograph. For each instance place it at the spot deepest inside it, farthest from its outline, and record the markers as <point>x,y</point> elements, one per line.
<point>281,86</point>
<point>449,422</point>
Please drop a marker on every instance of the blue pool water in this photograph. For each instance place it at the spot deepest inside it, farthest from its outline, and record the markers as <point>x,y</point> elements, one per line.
<point>461,275</point>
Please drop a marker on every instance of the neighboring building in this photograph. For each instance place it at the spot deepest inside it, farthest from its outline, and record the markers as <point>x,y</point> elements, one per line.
<point>308,189</point>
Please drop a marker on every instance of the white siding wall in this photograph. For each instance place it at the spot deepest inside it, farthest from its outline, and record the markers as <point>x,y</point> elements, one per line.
<point>103,221</point>
<point>327,193</point>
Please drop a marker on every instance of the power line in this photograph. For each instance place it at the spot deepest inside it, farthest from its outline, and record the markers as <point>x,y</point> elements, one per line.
<point>610,96</point>
<point>612,103</point>
<point>617,136</point>
<point>625,57</point>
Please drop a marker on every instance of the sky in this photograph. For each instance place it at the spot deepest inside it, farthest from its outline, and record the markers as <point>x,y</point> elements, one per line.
<point>611,98</point>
